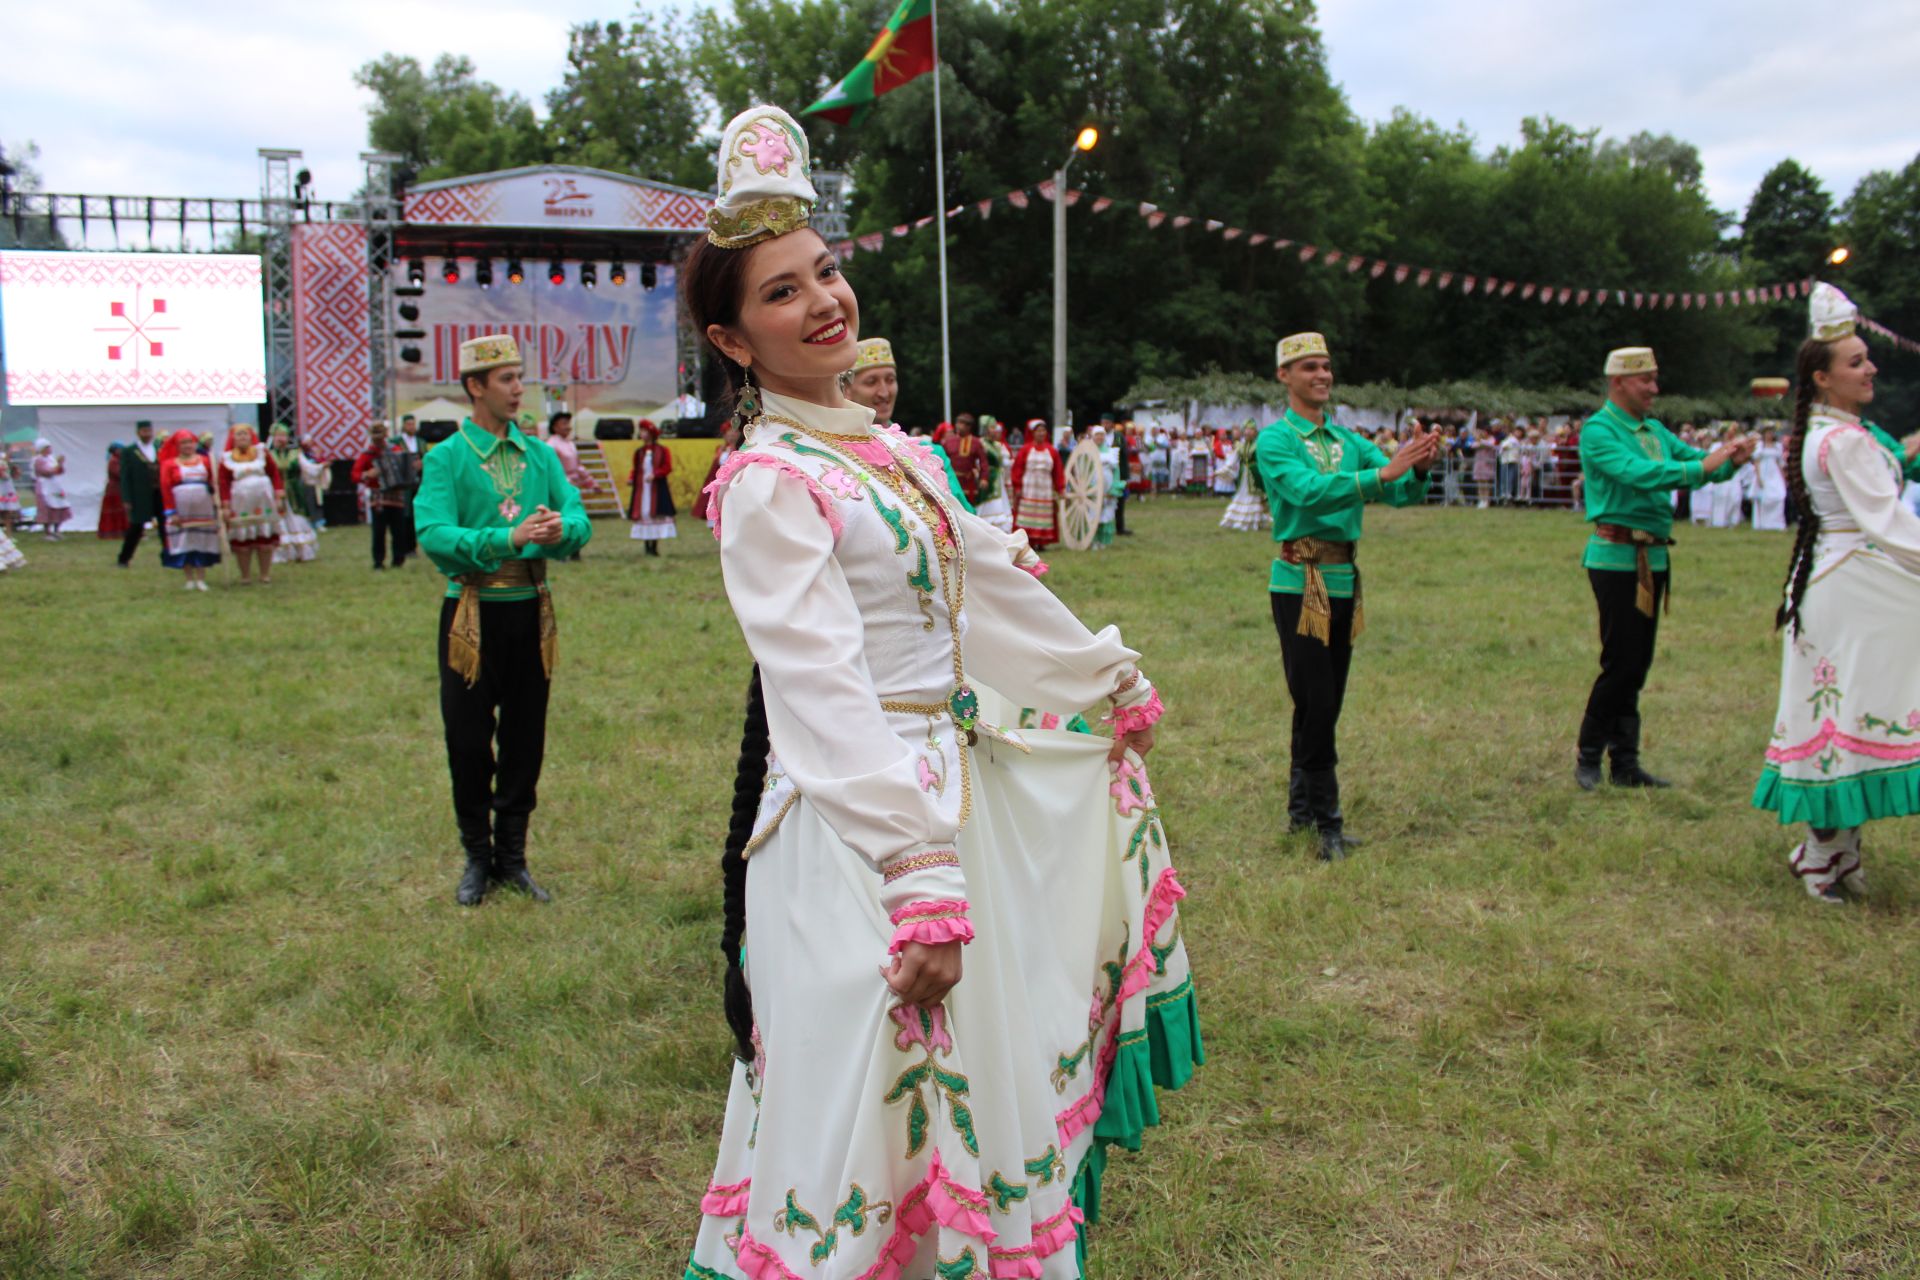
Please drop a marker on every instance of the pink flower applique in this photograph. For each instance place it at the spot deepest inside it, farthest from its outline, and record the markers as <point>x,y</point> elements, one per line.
<point>840,483</point>
<point>872,452</point>
<point>1048,720</point>
<point>921,1026</point>
<point>1824,673</point>
<point>770,148</point>
<point>1913,719</point>
<point>1130,789</point>
<point>929,780</point>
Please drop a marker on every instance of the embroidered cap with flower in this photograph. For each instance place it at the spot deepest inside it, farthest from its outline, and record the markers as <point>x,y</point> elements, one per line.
<point>1831,314</point>
<point>1298,346</point>
<point>873,353</point>
<point>765,187</point>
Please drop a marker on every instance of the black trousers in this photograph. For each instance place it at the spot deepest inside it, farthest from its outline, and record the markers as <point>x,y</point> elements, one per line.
<point>406,540</point>
<point>1626,642</point>
<point>131,543</point>
<point>508,703</point>
<point>1316,677</point>
<point>1120,514</point>
<point>389,520</point>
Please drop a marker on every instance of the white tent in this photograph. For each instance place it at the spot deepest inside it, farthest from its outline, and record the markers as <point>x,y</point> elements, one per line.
<point>82,435</point>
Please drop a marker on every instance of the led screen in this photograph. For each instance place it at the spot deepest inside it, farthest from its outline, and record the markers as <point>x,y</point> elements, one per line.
<point>132,328</point>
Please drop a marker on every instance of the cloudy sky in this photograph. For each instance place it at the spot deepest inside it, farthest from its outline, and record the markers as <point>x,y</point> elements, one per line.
<point>139,96</point>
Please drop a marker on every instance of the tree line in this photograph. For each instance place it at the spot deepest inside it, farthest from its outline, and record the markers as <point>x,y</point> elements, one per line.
<point>1223,110</point>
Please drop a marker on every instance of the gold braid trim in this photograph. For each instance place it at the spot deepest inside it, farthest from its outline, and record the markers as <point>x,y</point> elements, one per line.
<point>919,862</point>
<point>1316,606</point>
<point>463,634</point>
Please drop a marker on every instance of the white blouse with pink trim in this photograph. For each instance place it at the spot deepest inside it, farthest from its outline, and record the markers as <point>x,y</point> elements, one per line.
<point>843,603</point>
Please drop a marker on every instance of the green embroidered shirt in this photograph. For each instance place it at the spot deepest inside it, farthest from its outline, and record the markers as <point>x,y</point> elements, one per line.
<point>1317,480</point>
<point>475,487</point>
<point>1909,468</point>
<point>1631,470</point>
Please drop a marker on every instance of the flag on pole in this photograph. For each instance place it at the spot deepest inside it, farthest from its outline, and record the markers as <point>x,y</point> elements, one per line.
<point>902,51</point>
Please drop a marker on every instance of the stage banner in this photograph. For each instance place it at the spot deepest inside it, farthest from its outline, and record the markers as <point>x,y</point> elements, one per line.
<point>565,197</point>
<point>611,350</point>
<point>132,328</point>
<point>332,338</point>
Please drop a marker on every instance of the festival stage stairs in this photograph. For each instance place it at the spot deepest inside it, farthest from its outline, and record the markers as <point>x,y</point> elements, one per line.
<point>603,502</point>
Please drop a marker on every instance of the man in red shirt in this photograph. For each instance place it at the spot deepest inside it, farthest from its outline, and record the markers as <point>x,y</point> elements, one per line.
<point>390,474</point>
<point>968,452</point>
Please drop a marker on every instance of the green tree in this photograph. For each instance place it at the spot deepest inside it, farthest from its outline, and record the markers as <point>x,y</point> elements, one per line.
<point>1880,224</point>
<point>26,233</point>
<point>1787,234</point>
<point>446,122</point>
<point>629,103</point>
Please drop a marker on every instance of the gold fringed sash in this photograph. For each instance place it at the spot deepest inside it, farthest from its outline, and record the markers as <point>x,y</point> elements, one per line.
<point>1640,540</point>
<point>463,636</point>
<point>1316,606</point>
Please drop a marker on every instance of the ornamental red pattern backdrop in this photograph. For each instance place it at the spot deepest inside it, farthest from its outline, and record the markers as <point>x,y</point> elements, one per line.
<point>332,338</point>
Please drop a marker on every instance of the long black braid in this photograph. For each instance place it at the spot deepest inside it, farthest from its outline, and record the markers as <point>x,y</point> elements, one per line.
<point>749,776</point>
<point>1813,358</point>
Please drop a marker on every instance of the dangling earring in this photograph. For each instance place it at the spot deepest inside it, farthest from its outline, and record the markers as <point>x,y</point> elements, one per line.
<point>746,406</point>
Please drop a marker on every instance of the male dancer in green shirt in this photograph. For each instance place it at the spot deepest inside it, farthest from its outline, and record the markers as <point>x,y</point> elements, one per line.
<point>494,507</point>
<point>1318,476</point>
<point>1632,464</point>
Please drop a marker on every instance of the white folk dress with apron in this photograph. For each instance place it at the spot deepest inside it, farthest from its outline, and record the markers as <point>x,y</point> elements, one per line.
<point>193,526</point>
<point>256,516</point>
<point>870,1139</point>
<point>1846,736</point>
<point>1248,510</point>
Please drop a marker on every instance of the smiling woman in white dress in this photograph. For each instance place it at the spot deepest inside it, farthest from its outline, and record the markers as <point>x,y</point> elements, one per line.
<point>1846,738</point>
<point>896,1114</point>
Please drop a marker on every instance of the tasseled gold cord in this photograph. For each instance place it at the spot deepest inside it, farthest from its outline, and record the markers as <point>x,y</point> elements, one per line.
<point>1316,610</point>
<point>463,637</point>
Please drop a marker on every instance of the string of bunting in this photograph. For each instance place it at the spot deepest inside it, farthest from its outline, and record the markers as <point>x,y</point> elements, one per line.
<point>1483,286</point>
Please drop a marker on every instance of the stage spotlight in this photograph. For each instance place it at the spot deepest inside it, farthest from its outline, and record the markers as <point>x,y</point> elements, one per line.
<point>649,275</point>
<point>451,271</point>
<point>416,271</point>
<point>587,274</point>
<point>556,273</point>
<point>410,354</point>
<point>617,274</point>
<point>516,274</point>
<point>410,312</point>
<point>483,273</point>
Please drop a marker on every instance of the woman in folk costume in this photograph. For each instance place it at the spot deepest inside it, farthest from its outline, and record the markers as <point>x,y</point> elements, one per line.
<point>1846,737</point>
<point>298,541</point>
<point>251,498</point>
<point>9,495</point>
<point>49,494</point>
<point>1723,509</point>
<point>187,492</point>
<point>560,440</point>
<point>651,508</point>
<point>113,508</point>
<point>920,1117</point>
<point>1769,483</point>
<point>1248,510</point>
<point>1199,461</point>
<point>1226,463</point>
<point>1038,479</point>
<point>994,506</point>
<point>1111,486</point>
<point>10,557</point>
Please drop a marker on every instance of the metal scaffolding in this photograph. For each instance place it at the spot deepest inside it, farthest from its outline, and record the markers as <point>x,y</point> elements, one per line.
<point>276,206</point>
<point>380,213</point>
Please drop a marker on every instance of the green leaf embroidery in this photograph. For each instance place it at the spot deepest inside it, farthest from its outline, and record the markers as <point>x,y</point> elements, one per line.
<point>1004,1192</point>
<point>964,1267</point>
<point>917,1121</point>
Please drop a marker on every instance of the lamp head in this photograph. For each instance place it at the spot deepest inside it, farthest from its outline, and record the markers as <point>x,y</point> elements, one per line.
<point>1089,139</point>
<point>1840,254</point>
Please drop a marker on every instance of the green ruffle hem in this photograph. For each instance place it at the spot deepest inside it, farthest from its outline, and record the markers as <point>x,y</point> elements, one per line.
<point>1162,1056</point>
<point>1842,802</point>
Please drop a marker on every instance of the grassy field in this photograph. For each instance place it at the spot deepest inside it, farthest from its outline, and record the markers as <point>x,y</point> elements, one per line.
<point>244,1031</point>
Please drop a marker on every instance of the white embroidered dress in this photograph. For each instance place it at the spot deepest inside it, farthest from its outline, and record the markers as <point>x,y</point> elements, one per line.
<point>872,1140</point>
<point>1846,738</point>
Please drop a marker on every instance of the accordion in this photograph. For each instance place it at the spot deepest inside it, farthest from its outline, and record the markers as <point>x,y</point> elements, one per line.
<point>398,469</point>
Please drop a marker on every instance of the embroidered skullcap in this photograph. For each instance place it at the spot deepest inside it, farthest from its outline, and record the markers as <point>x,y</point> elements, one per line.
<point>493,351</point>
<point>1625,361</point>
<point>1831,314</point>
<point>1299,346</point>
<point>873,353</point>
<point>765,185</point>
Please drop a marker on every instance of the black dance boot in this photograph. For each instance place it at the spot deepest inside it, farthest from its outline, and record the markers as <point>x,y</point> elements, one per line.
<point>473,882</point>
<point>1593,745</point>
<point>1626,756</point>
<point>1299,812</point>
<point>1323,798</point>
<point>510,856</point>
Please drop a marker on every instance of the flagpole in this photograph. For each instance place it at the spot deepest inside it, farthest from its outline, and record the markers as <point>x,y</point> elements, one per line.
<point>940,220</point>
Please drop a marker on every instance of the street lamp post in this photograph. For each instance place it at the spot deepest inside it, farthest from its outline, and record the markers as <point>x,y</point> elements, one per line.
<point>1088,138</point>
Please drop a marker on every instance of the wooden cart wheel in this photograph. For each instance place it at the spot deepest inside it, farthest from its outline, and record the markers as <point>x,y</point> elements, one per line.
<point>1080,503</point>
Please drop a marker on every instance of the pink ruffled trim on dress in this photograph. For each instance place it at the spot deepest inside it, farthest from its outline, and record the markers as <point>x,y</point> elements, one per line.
<point>726,1202</point>
<point>1830,733</point>
<point>1039,570</point>
<point>1140,716</point>
<point>951,925</point>
<point>1049,1238</point>
<point>741,460</point>
<point>1134,979</point>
